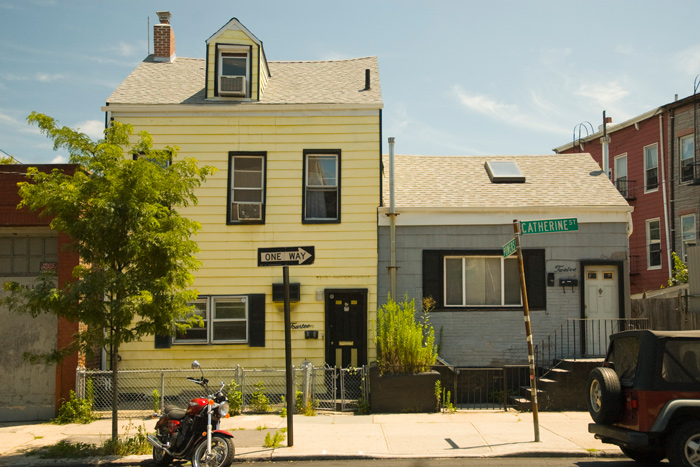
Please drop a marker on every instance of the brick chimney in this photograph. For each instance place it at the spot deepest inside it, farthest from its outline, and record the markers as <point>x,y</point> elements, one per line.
<point>163,39</point>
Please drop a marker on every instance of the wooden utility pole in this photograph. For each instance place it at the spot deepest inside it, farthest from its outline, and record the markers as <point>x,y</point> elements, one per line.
<point>528,332</point>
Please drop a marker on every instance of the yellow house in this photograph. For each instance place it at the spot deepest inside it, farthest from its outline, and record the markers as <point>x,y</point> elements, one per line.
<point>297,146</point>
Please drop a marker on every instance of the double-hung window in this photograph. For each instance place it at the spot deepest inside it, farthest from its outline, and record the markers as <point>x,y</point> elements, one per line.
<point>653,244</point>
<point>688,232</point>
<point>321,202</point>
<point>224,318</point>
<point>481,281</point>
<point>229,319</point>
<point>196,334</point>
<point>246,188</point>
<point>687,162</point>
<point>233,71</point>
<point>651,168</point>
<point>620,175</point>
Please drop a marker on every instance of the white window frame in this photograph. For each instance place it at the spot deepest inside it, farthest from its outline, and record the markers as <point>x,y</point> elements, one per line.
<point>689,237</point>
<point>647,168</point>
<point>223,298</point>
<point>691,157</point>
<point>616,174</point>
<point>463,303</point>
<point>224,49</point>
<point>210,321</point>
<point>651,242</point>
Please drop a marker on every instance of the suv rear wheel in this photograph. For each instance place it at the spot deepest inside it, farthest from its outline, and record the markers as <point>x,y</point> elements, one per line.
<point>684,445</point>
<point>604,395</point>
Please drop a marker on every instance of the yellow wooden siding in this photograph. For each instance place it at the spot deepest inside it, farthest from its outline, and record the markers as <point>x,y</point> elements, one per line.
<point>233,37</point>
<point>346,253</point>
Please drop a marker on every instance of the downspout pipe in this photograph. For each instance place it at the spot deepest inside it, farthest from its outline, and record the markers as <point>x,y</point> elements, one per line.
<point>392,221</point>
<point>605,140</point>
<point>663,194</point>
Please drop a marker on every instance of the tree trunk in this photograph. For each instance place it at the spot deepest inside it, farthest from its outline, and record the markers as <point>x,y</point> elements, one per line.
<point>115,390</point>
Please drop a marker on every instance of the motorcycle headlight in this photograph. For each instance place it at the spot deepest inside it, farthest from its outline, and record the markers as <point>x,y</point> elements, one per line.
<point>223,409</point>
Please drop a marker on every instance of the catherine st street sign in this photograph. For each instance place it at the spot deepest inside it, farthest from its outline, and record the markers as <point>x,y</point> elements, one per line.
<point>548,226</point>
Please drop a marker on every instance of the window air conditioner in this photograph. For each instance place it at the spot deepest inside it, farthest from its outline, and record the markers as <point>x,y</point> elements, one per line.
<point>232,86</point>
<point>250,212</point>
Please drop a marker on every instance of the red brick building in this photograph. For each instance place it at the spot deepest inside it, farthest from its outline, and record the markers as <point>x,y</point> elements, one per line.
<point>28,245</point>
<point>652,160</point>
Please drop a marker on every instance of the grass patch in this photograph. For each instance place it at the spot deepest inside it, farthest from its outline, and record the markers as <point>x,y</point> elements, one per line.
<point>126,445</point>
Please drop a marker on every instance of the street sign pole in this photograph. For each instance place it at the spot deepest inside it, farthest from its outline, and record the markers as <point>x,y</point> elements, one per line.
<point>528,332</point>
<point>285,257</point>
<point>291,397</point>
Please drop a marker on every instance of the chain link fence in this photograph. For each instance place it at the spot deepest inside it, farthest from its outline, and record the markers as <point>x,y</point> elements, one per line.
<point>261,390</point>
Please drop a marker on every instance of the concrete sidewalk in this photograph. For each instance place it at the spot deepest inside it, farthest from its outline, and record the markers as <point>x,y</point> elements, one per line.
<point>344,435</point>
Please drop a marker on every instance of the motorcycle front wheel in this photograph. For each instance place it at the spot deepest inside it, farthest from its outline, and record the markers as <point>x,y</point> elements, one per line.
<point>162,458</point>
<point>222,452</point>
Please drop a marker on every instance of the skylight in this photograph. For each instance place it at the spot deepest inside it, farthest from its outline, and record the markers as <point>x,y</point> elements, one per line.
<point>504,172</point>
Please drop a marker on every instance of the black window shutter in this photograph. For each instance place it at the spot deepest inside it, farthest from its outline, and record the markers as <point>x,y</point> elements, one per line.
<point>256,320</point>
<point>535,279</point>
<point>432,276</point>
<point>163,342</point>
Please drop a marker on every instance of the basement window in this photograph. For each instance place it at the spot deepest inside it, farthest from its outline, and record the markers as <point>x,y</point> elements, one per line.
<point>504,172</point>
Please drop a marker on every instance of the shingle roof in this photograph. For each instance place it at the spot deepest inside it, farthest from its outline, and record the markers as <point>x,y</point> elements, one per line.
<point>321,82</point>
<point>462,182</point>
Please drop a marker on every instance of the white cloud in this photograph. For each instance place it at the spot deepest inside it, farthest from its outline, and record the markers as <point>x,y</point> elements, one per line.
<point>59,160</point>
<point>48,77</point>
<point>93,128</point>
<point>687,61</point>
<point>625,49</point>
<point>509,114</point>
<point>124,49</point>
<point>603,93</point>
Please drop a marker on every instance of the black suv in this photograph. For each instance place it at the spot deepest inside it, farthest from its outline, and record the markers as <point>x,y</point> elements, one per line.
<point>646,396</point>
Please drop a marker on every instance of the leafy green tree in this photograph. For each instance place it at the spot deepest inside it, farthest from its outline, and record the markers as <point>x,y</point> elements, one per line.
<point>136,250</point>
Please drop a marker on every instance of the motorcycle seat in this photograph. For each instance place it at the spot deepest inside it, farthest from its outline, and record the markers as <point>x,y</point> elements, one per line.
<point>174,412</point>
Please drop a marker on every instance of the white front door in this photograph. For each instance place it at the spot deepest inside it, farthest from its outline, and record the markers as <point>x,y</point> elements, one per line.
<point>602,309</point>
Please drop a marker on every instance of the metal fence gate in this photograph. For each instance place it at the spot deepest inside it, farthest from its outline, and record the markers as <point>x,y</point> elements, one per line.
<point>262,390</point>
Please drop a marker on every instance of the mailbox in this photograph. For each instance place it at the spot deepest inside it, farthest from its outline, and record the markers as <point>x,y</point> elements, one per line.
<point>278,292</point>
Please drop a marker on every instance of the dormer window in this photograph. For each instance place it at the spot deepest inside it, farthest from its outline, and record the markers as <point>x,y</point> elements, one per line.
<point>233,71</point>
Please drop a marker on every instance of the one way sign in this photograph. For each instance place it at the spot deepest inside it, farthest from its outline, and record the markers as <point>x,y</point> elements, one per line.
<point>286,256</point>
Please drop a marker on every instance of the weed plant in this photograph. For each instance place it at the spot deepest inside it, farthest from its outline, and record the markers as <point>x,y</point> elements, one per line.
<point>258,400</point>
<point>75,410</point>
<point>404,345</point>
<point>235,398</point>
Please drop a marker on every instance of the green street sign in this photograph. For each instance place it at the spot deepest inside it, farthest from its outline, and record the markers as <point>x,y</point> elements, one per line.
<point>509,248</point>
<point>548,226</point>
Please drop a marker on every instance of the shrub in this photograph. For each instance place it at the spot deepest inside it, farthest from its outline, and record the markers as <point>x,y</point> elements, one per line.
<point>258,400</point>
<point>235,398</point>
<point>74,410</point>
<point>404,345</point>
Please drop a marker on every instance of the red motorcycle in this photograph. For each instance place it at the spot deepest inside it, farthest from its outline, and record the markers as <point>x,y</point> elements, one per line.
<point>193,433</point>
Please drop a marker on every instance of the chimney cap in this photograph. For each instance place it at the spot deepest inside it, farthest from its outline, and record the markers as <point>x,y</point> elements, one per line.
<point>164,16</point>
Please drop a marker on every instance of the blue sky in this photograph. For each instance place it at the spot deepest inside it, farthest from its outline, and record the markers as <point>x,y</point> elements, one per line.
<point>458,77</point>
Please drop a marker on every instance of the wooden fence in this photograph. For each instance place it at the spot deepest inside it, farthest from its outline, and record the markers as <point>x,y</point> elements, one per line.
<point>666,314</point>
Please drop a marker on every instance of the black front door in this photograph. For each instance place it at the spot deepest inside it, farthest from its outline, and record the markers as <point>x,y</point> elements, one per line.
<point>346,327</point>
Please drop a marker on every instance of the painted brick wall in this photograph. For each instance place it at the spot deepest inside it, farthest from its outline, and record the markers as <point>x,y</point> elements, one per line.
<point>486,338</point>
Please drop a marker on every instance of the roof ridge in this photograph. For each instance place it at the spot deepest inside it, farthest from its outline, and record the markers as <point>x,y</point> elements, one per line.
<point>324,61</point>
